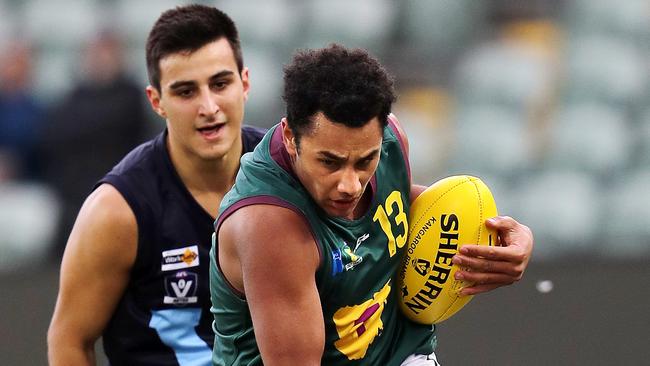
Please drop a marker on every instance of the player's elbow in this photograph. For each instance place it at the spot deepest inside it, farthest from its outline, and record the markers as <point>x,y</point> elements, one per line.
<point>65,347</point>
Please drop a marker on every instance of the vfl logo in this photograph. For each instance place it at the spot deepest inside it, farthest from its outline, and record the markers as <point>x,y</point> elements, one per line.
<point>181,288</point>
<point>180,258</point>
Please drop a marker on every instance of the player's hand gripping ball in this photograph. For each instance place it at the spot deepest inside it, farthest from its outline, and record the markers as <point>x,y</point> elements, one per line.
<point>447,215</point>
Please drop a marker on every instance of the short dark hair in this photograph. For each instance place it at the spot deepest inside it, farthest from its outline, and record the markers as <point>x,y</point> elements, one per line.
<point>186,29</point>
<point>347,85</point>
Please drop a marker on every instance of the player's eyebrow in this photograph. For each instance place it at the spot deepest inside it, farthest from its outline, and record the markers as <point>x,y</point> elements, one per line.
<point>222,74</point>
<point>190,83</point>
<point>370,155</point>
<point>181,83</point>
<point>331,155</point>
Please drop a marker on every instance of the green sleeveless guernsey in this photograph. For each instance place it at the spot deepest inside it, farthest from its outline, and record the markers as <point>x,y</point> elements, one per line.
<point>359,259</point>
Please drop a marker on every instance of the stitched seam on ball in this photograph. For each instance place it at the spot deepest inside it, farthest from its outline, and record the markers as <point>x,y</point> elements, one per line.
<point>439,198</point>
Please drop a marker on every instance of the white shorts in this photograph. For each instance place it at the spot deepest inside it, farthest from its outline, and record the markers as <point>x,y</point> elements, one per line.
<point>421,360</point>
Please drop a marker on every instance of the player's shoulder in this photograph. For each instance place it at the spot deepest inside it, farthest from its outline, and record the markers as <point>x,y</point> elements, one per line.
<point>268,234</point>
<point>107,205</point>
<point>105,231</point>
<point>253,130</point>
<point>395,126</point>
<point>251,136</point>
<point>267,219</point>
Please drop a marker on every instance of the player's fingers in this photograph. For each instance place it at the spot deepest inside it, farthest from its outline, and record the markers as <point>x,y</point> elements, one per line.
<point>483,265</point>
<point>511,254</point>
<point>501,223</point>
<point>478,289</point>
<point>485,279</point>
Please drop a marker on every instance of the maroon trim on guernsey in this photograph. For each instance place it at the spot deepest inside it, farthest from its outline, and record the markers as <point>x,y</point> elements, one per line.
<point>258,200</point>
<point>279,153</point>
<point>392,123</point>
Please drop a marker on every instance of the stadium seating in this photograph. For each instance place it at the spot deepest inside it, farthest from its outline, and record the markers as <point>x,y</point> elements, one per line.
<point>491,139</point>
<point>605,69</point>
<point>626,221</point>
<point>276,24</point>
<point>361,23</point>
<point>562,207</point>
<point>624,18</point>
<point>547,99</point>
<point>590,137</point>
<point>29,213</point>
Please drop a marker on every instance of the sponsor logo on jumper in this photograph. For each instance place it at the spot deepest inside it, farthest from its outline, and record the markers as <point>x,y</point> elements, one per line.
<point>360,240</point>
<point>180,288</point>
<point>180,258</point>
<point>344,259</point>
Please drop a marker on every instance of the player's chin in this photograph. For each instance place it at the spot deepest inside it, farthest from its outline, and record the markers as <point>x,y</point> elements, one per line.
<point>213,151</point>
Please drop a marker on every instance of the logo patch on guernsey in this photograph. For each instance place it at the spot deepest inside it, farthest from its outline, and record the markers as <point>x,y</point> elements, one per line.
<point>344,259</point>
<point>180,258</point>
<point>181,288</point>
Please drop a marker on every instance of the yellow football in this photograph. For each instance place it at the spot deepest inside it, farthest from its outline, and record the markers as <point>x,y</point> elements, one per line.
<point>448,214</point>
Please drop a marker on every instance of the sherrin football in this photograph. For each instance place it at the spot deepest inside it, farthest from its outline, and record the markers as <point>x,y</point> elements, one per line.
<point>448,214</point>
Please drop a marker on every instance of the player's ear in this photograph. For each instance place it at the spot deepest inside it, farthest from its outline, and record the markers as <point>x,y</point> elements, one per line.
<point>288,138</point>
<point>154,100</point>
<point>245,82</point>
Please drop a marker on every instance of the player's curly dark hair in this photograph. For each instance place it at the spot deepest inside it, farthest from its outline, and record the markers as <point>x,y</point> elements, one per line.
<point>188,28</point>
<point>347,85</point>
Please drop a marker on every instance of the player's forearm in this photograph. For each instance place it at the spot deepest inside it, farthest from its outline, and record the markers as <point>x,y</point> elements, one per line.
<point>62,351</point>
<point>291,356</point>
<point>295,341</point>
<point>69,355</point>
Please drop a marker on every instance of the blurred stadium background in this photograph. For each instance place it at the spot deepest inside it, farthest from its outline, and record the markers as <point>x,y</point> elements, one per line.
<point>546,100</point>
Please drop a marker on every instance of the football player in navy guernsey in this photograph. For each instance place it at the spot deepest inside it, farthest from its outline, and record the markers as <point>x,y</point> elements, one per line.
<point>135,268</point>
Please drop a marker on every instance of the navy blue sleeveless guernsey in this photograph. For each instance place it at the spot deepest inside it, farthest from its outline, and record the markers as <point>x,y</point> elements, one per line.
<point>164,315</point>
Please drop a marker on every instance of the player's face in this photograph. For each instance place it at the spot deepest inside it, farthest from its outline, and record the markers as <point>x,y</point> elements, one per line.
<point>202,98</point>
<point>335,162</point>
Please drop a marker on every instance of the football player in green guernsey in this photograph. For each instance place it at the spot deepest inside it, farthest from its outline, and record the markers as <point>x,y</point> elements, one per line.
<point>309,239</point>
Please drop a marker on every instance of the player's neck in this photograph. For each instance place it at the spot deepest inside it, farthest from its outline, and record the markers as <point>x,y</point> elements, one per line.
<point>207,175</point>
<point>208,180</point>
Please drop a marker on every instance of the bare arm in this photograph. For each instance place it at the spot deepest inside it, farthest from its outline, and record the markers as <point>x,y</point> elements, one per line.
<point>278,260</point>
<point>94,273</point>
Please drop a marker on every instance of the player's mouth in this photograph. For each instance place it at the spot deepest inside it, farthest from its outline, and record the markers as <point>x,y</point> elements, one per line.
<point>211,132</point>
<point>344,204</point>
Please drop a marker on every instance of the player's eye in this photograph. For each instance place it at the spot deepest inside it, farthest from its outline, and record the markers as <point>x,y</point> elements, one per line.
<point>185,93</point>
<point>330,164</point>
<point>365,163</point>
<point>327,162</point>
<point>219,85</point>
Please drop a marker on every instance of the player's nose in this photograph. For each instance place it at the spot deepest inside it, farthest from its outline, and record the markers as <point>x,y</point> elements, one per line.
<point>208,105</point>
<point>349,182</point>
